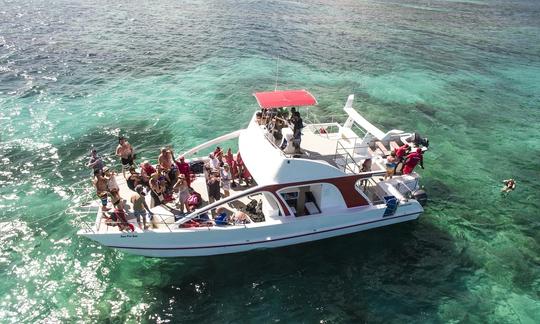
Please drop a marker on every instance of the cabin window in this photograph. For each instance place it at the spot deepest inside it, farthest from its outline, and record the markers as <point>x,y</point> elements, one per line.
<point>254,208</point>
<point>303,201</point>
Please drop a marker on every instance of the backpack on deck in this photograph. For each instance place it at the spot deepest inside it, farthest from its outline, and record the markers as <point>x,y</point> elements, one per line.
<point>196,167</point>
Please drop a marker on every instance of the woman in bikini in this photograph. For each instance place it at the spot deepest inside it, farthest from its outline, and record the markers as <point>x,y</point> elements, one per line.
<point>182,188</point>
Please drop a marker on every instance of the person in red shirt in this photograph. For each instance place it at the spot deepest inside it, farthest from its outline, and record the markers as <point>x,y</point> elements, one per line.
<point>401,153</point>
<point>183,168</point>
<point>146,172</point>
<point>229,159</point>
<point>412,160</point>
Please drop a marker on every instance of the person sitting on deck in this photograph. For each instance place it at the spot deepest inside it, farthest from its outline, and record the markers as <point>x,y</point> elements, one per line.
<point>100,183</point>
<point>222,218</point>
<point>95,162</point>
<point>125,151</point>
<point>194,200</point>
<point>119,216</point>
<point>412,160</point>
<point>133,179</point>
<point>401,153</point>
<point>140,207</point>
<point>146,172</point>
<point>239,217</point>
<point>276,132</point>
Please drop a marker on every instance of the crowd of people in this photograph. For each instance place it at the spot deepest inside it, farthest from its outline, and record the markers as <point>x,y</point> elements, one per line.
<point>403,161</point>
<point>275,120</point>
<point>169,181</point>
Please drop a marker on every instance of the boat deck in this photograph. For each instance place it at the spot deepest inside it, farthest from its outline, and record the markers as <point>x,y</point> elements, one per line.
<point>336,149</point>
<point>164,215</point>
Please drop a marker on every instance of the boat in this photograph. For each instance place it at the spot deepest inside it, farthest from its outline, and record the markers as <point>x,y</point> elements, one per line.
<point>297,194</point>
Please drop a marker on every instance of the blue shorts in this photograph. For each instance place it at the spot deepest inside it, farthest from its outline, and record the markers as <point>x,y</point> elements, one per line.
<point>138,214</point>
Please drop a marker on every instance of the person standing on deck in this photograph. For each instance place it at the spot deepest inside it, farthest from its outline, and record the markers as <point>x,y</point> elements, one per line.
<point>100,183</point>
<point>165,160</point>
<point>213,189</point>
<point>239,167</point>
<point>412,160</point>
<point>390,165</point>
<point>298,124</point>
<point>125,151</point>
<point>226,180</point>
<point>183,168</point>
<point>229,159</point>
<point>140,207</point>
<point>401,153</point>
<point>112,185</point>
<point>213,162</point>
<point>95,162</point>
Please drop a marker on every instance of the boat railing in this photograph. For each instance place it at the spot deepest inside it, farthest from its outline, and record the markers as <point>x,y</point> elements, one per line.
<point>408,190</point>
<point>213,142</point>
<point>379,193</point>
<point>216,204</point>
<point>344,155</point>
<point>312,118</point>
<point>270,139</point>
<point>158,221</point>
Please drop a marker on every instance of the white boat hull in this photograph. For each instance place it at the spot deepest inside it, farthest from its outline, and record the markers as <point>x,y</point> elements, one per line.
<point>215,241</point>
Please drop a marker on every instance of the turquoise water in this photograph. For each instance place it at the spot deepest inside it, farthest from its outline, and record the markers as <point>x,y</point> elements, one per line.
<point>465,73</point>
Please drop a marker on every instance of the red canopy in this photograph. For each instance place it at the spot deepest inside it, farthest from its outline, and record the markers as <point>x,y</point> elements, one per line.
<point>286,98</point>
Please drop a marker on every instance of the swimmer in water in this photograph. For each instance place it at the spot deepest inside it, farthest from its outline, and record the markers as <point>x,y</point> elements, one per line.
<point>509,185</point>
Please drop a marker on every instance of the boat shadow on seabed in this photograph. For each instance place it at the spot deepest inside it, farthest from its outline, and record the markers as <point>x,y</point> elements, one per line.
<point>415,258</point>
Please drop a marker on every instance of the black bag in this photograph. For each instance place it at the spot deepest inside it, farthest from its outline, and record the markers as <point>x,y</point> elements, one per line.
<point>196,167</point>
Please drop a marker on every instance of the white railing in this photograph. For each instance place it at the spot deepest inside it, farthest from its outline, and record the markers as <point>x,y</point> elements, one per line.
<point>218,203</point>
<point>311,118</point>
<point>212,142</point>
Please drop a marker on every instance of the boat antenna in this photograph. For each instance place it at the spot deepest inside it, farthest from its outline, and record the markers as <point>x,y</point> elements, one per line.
<point>277,71</point>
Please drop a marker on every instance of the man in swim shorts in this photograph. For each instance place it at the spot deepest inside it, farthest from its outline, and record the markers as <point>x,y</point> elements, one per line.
<point>100,183</point>
<point>125,151</point>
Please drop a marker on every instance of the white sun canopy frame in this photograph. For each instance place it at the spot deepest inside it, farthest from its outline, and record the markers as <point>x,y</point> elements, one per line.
<point>354,116</point>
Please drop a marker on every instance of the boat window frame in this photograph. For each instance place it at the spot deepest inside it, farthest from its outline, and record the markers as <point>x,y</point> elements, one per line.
<point>206,209</point>
<point>280,192</point>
